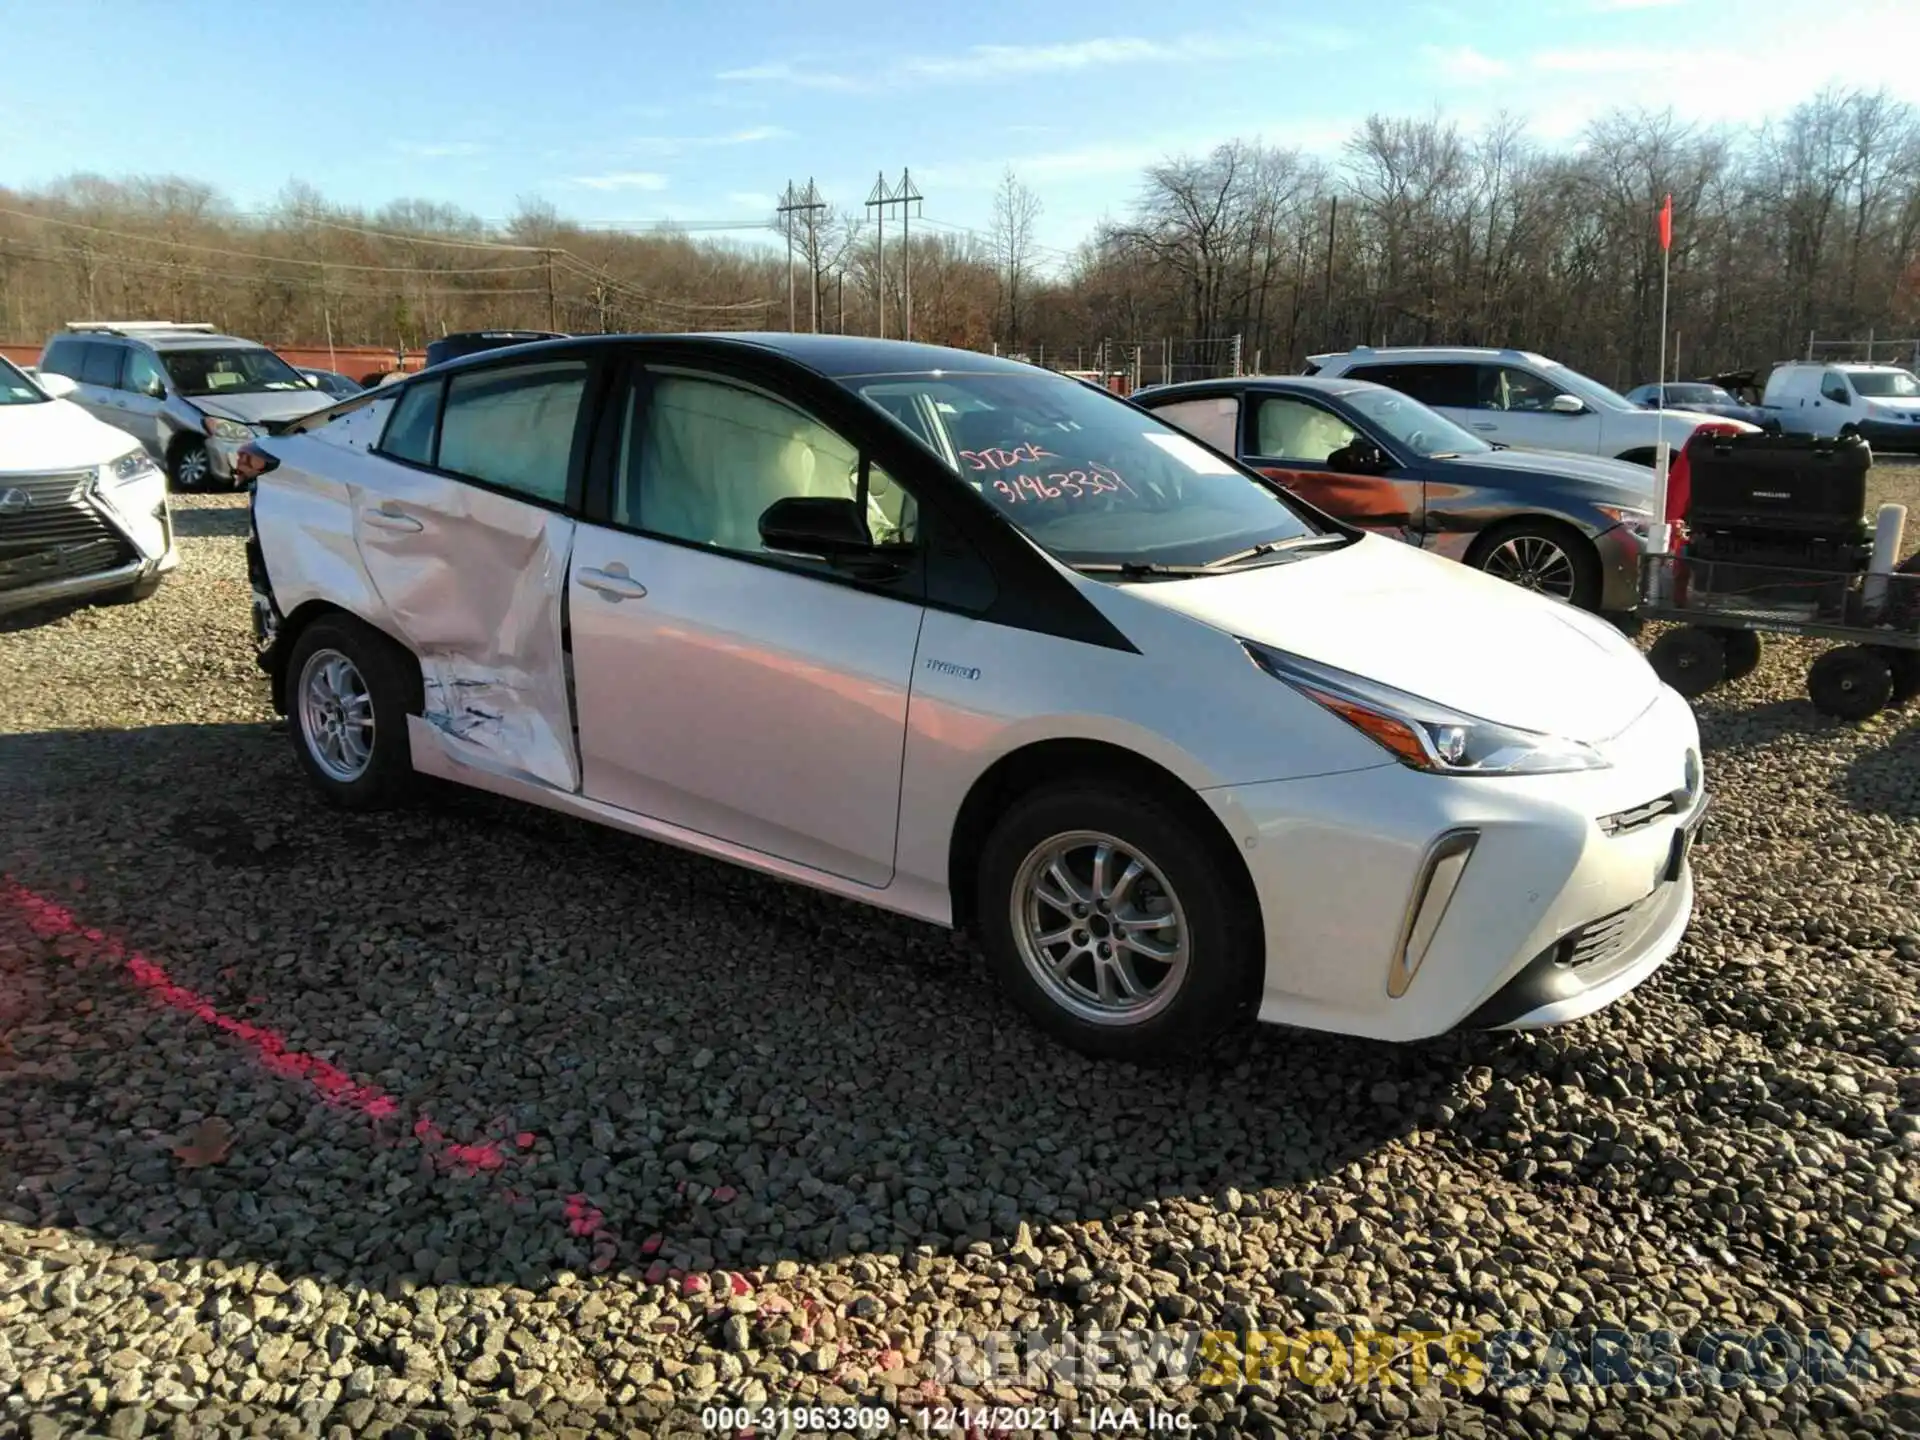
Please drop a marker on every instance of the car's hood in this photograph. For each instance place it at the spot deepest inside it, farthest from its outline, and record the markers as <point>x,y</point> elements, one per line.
<point>1434,628</point>
<point>1632,484</point>
<point>259,406</point>
<point>1683,420</point>
<point>58,435</point>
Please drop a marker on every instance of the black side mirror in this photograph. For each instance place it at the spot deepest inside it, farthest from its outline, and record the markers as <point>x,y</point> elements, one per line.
<point>816,525</point>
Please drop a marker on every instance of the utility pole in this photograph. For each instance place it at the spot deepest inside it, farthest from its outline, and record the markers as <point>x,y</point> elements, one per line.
<point>553,318</point>
<point>881,197</point>
<point>811,205</point>
<point>877,200</point>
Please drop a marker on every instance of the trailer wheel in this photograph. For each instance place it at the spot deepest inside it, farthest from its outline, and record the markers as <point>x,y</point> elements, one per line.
<point>1850,683</point>
<point>1690,659</point>
<point>1743,652</point>
<point>1905,665</point>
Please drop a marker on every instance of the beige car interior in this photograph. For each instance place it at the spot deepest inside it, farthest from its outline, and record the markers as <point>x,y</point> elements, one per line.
<point>1294,430</point>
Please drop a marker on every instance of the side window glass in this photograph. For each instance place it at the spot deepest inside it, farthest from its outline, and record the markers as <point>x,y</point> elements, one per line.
<point>709,458</point>
<point>1292,429</point>
<point>1523,390</point>
<point>1216,421</point>
<point>1833,385</point>
<point>409,434</point>
<point>514,427</point>
<point>102,365</point>
<point>143,374</point>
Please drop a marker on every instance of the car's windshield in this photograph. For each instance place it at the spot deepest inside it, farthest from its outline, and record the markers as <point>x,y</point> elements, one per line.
<point>1412,426</point>
<point>1885,384</point>
<point>1586,387</point>
<point>16,388</point>
<point>230,372</point>
<point>1089,478</point>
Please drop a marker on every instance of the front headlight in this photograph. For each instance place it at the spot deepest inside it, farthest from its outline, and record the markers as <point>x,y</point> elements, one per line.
<point>223,429</point>
<point>134,465</point>
<point>1640,522</point>
<point>1423,735</point>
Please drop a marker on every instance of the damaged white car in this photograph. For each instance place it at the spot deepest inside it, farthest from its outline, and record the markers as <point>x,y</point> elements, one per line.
<point>977,643</point>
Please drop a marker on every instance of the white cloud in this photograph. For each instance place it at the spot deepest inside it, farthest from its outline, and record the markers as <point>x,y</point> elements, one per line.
<point>680,144</point>
<point>622,180</point>
<point>751,200</point>
<point>437,149</point>
<point>1463,62</point>
<point>986,63</point>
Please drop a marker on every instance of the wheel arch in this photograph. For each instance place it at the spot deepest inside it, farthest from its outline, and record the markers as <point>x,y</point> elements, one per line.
<point>1490,535</point>
<point>1042,762</point>
<point>302,619</point>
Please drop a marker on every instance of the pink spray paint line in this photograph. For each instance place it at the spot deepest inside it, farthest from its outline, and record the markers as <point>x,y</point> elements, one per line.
<point>334,1086</point>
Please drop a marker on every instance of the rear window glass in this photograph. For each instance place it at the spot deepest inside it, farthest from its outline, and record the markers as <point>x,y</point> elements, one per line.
<point>410,433</point>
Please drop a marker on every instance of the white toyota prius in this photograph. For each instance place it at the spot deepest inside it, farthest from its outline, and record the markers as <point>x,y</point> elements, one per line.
<point>986,646</point>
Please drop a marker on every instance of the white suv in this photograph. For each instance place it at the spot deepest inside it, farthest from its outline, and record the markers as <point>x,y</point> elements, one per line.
<point>1517,398</point>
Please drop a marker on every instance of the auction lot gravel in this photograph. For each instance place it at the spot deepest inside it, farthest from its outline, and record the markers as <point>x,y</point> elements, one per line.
<point>475,1119</point>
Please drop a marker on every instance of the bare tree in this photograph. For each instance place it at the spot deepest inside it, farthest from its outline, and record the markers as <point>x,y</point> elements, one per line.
<point>1015,211</point>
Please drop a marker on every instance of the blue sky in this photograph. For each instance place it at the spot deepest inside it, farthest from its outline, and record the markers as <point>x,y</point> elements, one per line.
<point>616,110</point>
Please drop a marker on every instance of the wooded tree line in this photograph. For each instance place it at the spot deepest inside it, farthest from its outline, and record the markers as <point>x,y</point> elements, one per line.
<point>1418,233</point>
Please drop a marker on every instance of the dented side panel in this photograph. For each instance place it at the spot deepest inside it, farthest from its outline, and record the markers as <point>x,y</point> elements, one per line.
<point>473,582</point>
<point>476,591</point>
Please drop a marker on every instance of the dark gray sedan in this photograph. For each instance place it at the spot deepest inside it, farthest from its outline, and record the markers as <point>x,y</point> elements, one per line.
<point>1569,526</point>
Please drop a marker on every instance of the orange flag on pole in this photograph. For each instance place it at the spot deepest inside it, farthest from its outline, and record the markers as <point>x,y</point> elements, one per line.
<point>1666,224</point>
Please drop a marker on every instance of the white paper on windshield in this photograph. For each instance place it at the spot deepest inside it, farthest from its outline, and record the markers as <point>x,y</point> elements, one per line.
<point>1196,458</point>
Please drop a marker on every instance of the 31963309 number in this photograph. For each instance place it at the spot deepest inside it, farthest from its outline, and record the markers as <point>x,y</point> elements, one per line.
<point>778,1419</point>
<point>1096,479</point>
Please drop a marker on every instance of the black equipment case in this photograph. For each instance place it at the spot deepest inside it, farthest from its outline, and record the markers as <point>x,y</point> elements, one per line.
<point>1801,485</point>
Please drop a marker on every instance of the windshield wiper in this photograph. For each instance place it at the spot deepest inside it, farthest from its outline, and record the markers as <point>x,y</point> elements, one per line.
<point>1140,569</point>
<point>1273,547</point>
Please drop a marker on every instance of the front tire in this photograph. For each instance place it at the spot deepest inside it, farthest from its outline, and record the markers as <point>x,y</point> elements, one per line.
<point>1110,919</point>
<point>1541,556</point>
<point>192,469</point>
<point>349,692</point>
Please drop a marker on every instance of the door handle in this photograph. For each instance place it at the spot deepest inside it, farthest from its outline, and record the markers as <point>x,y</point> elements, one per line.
<point>390,520</point>
<point>616,585</point>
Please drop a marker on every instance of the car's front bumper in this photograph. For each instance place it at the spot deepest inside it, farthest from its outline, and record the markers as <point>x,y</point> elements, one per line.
<point>1344,864</point>
<point>1890,434</point>
<point>1619,549</point>
<point>76,537</point>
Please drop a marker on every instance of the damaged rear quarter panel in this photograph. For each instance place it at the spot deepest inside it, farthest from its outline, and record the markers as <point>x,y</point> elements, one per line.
<point>475,592</point>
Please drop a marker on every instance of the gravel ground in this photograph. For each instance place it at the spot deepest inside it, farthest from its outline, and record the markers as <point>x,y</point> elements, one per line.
<point>476,1118</point>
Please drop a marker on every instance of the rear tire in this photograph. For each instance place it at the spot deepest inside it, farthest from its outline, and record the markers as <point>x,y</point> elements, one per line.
<point>1086,971</point>
<point>1542,556</point>
<point>1850,683</point>
<point>349,692</point>
<point>1690,659</point>
<point>1905,667</point>
<point>1743,652</point>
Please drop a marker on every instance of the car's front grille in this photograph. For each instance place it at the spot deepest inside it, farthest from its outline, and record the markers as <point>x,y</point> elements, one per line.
<point>48,531</point>
<point>19,569</point>
<point>1623,822</point>
<point>62,488</point>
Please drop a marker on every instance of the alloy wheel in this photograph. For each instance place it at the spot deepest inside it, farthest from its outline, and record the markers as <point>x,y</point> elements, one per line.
<point>336,716</point>
<point>1099,928</point>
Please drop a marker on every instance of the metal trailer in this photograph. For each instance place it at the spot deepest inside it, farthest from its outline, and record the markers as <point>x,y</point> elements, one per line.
<point>1725,607</point>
